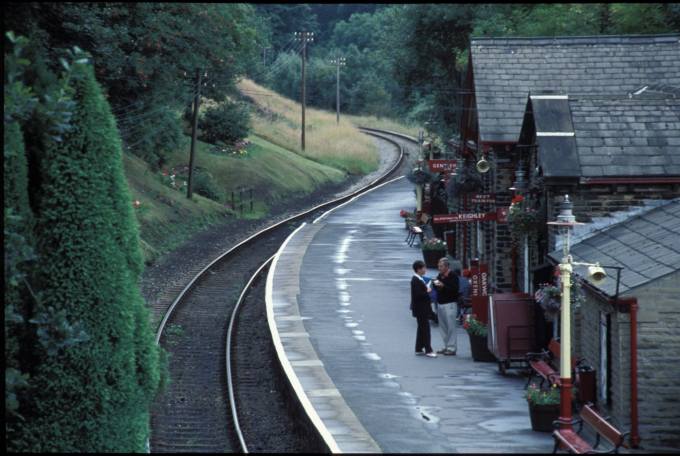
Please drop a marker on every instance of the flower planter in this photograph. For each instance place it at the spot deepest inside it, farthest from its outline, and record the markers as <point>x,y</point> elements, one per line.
<point>542,416</point>
<point>432,257</point>
<point>480,351</point>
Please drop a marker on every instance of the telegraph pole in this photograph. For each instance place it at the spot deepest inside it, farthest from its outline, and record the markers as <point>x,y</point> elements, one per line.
<point>338,62</point>
<point>194,125</point>
<point>305,37</point>
<point>264,56</point>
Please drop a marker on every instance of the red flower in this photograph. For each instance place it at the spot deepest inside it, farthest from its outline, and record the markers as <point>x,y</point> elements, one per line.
<point>517,199</point>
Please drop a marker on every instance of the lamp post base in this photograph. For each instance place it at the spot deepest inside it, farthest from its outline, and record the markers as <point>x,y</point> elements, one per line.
<point>565,418</point>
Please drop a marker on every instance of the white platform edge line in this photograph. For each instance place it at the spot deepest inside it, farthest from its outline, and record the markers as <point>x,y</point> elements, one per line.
<point>283,359</point>
<point>354,198</point>
<point>555,133</point>
<point>549,97</point>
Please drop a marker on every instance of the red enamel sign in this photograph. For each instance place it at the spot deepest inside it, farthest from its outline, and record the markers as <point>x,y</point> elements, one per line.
<point>461,218</point>
<point>502,215</point>
<point>438,166</point>
<point>483,198</point>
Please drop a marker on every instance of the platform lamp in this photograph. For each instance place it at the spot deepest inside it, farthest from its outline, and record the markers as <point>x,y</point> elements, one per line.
<point>565,222</point>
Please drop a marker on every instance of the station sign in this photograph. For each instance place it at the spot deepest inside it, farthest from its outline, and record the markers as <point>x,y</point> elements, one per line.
<point>483,198</point>
<point>442,166</point>
<point>479,291</point>
<point>479,281</point>
<point>465,217</point>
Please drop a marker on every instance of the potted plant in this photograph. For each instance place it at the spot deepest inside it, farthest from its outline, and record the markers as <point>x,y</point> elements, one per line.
<point>477,331</point>
<point>433,250</point>
<point>544,406</point>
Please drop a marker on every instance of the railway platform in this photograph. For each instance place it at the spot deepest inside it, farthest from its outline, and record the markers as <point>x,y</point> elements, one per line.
<point>338,307</point>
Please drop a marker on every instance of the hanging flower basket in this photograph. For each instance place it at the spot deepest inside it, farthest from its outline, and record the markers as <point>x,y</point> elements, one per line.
<point>523,217</point>
<point>549,297</point>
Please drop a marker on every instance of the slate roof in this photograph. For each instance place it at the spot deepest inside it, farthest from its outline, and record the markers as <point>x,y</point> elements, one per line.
<point>637,136</point>
<point>506,69</point>
<point>646,245</point>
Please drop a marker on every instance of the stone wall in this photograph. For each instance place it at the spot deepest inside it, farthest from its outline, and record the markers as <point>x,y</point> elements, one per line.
<point>658,359</point>
<point>501,249</point>
<point>659,363</point>
<point>598,201</point>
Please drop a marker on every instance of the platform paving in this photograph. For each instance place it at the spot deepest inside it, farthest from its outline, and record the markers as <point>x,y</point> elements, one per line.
<point>353,306</point>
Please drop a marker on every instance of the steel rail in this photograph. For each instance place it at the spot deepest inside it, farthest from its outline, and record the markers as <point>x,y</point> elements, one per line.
<point>199,275</point>
<point>193,281</point>
<point>230,382</point>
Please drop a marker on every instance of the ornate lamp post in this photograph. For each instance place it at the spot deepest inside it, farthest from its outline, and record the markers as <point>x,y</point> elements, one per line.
<point>566,221</point>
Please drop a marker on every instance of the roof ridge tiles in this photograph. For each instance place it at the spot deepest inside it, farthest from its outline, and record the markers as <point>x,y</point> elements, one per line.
<point>585,39</point>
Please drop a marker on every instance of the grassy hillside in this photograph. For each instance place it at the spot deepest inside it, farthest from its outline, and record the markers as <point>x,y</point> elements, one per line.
<point>272,165</point>
<point>383,123</point>
<point>166,217</point>
<point>277,119</point>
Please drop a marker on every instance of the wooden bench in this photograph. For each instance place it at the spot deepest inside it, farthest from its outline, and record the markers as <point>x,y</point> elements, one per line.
<point>545,364</point>
<point>570,440</point>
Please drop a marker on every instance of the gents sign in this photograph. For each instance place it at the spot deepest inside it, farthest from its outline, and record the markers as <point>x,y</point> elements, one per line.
<point>467,217</point>
<point>483,198</point>
<point>438,166</point>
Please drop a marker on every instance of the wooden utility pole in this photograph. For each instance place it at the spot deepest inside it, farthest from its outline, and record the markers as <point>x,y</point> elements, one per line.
<point>264,56</point>
<point>305,37</point>
<point>194,126</point>
<point>338,62</point>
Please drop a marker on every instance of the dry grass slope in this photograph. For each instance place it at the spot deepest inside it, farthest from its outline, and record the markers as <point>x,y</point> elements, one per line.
<point>277,119</point>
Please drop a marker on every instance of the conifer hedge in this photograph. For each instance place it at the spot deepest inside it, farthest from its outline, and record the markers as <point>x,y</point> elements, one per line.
<point>92,396</point>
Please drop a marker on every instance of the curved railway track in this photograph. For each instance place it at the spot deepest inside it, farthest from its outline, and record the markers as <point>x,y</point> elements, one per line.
<point>224,374</point>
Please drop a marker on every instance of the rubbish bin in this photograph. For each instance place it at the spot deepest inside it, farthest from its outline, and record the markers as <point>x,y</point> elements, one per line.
<point>586,386</point>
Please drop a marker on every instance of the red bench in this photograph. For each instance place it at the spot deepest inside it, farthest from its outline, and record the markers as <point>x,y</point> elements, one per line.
<point>546,364</point>
<point>570,440</point>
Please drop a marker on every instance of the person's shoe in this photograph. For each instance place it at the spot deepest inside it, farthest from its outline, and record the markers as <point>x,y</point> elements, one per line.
<point>420,353</point>
<point>431,354</point>
<point>442,351</point>
<point>450,352</point>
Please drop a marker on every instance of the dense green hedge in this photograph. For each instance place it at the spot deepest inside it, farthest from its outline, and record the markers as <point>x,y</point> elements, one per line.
<point>94,395</point>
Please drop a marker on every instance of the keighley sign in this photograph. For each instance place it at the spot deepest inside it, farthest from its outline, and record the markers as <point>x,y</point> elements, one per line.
<point>469,217</point>
<point>499,215</point>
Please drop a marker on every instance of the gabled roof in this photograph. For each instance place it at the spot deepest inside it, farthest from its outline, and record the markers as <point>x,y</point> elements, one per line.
<point>646,245</point>
<point>505,70</point>
<point>604,137</point>
<point>549,121</point>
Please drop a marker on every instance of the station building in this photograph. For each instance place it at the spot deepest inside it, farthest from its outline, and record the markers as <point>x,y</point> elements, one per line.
<point>597,118</point>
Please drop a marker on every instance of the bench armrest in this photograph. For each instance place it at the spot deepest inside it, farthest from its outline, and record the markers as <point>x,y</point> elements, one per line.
<point>544,355</point>
<point>556,424</point>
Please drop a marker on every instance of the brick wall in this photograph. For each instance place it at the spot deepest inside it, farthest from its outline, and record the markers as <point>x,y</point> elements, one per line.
<point>658,359</point>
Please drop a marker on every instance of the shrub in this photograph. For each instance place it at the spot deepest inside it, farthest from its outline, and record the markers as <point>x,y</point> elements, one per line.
<point>206,185</point>
<point>227,123</point>
<point>91,391</point>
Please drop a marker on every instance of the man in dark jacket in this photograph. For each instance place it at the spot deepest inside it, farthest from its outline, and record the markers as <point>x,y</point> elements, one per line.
<point>447,299</point>
<point>421,310</point>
